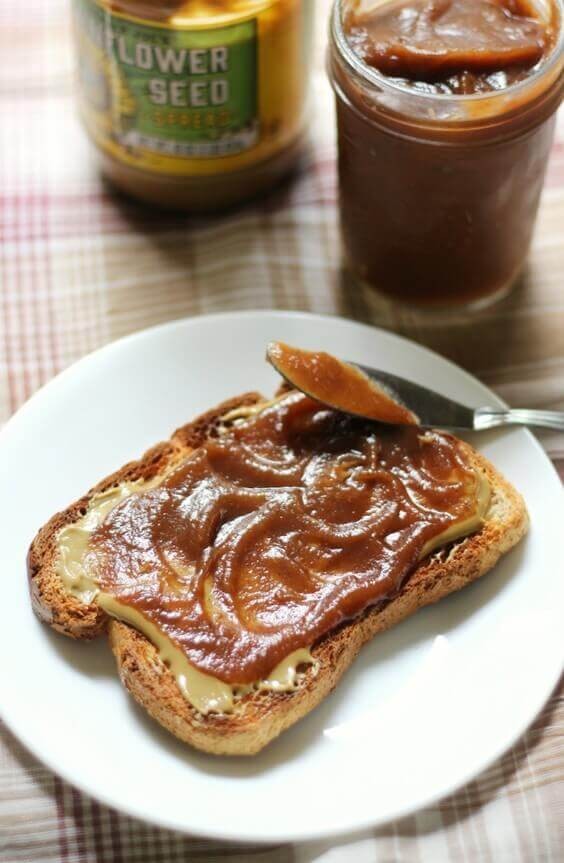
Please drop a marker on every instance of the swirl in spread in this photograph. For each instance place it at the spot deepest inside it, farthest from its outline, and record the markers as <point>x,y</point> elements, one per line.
<point>451,46</point>
<point>270,535</point>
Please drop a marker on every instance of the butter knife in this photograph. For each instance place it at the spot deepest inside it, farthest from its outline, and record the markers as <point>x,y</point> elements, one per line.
<point>430,408</point>
<point>439,411</point>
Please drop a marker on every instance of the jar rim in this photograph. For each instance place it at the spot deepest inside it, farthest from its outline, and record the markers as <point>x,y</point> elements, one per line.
<point>374,76</point>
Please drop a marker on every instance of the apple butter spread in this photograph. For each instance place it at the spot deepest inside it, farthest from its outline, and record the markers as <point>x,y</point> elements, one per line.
<point>271,534</point>
<point>445,113</point>
<point>458,46</point>
<point>337,384</point>
<point>194,104</point>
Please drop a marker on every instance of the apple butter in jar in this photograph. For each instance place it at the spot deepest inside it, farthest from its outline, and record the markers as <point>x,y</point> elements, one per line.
<point>445,116</point>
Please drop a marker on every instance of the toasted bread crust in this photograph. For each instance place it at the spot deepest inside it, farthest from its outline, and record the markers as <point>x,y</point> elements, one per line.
<point>260,716</point>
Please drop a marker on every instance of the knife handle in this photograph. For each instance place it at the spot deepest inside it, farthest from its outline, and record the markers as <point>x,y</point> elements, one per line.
<point>489,418</point>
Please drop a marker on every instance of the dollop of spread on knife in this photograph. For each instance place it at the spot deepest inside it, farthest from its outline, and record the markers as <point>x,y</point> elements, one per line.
<point>337,384</point>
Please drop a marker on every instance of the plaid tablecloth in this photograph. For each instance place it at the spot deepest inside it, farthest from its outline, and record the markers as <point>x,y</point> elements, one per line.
<point>80,267</point>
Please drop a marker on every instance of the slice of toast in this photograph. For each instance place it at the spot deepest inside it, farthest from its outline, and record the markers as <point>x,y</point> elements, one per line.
<point>259,716</point>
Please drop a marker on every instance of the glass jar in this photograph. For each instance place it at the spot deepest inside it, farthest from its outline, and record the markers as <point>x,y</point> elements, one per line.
<point>194,104</point>
<point>439,193</point>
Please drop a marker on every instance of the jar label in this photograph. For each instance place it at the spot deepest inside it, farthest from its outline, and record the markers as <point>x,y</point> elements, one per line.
<point>161,97</point>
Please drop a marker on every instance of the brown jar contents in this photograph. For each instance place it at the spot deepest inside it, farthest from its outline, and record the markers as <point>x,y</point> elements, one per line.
<point>457,46</point>
<point>445,115</point>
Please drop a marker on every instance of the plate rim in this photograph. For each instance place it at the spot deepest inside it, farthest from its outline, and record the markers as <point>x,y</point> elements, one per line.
<point>289,836</point>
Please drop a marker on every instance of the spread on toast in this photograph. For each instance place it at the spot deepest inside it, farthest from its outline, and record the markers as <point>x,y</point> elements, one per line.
<point>266,538</point>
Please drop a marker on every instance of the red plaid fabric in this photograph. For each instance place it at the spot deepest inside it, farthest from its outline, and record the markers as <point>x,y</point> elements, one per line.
<point>80,267</point>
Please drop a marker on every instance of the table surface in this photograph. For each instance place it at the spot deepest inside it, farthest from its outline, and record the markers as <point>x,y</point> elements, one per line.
<point>81,267</point>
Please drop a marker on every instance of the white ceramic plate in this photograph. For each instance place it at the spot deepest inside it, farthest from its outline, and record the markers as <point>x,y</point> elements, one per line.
<point>423,709</point>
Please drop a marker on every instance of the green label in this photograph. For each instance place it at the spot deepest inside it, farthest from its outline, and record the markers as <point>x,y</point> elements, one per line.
<point>187,93</point>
